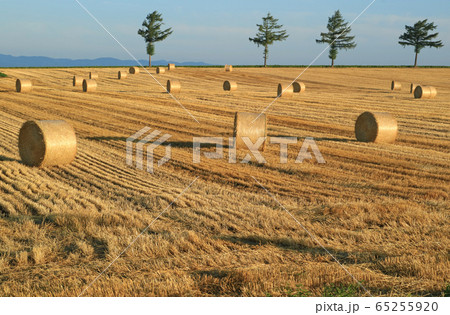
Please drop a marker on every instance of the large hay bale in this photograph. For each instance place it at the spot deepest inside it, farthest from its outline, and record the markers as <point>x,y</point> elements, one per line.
<point>122,75</point>
<point>160,70</point>
<point>376,127</point>
<point>243,127</point>
<point>230,86</point>
<point>396,86</point>
<point>173,86</point>
<point>412,88</point>
<point>89,85</point>
<point>134,70</point>
<point>77,80</point>
<point>93,76</point>
<point>299,87</point>
<point>47,143</point>
<point>171,66</point>
<point>288,93</point>
<point>23,85</point>
<point>425,92</point>
<point>228,68</point>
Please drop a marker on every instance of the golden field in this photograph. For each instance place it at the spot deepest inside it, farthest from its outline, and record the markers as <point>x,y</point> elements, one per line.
<point>381,209</point>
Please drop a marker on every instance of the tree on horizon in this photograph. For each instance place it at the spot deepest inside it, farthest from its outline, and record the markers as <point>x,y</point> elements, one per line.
<point>418,37</point>
<point>152,33</point>
<point>268,33</point>
<point>337,36</point>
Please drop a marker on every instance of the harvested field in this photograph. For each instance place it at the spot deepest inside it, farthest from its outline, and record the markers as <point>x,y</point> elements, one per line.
<point>381,209</point>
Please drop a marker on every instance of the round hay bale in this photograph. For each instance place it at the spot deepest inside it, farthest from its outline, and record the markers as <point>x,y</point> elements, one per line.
<point>77,80</point>
<point>299,87</point>
<point>47,143</point>
<point>288,93</point>
<point>425,92</point>
<point>122,75</point>
<point>228,68</point>
<point>396,86</point>
<point>93,76</point>
<point>229,86</point>
<point>23,85</point>
<point>160,70</point>
<point>89,85</point>
<point>173,86</point>
<point>243,127</point>
<point>376,127</point>
<point>171,66</point>
<point>134,70</point>
<point>412,88</point>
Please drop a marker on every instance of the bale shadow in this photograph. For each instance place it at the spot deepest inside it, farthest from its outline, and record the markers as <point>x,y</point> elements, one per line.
<point>174,144</point>
<point>8,159</point>
<point>346,257</point>
<point>336,140</point>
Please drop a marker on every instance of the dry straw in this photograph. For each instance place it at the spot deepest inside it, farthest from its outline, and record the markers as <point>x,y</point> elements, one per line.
<point>122,75</point>
<point>299,87</point>
<point>376,127</point>
<point>77,80</point>
<point>47,143</point>
<point>89,85</point>
<point>23,85</point>
<point>173,86</point>
<point>134,70</point>
<point>160,70</point>
<point>288,93</point>
<point>396,86</point>
<point>229,86</point>
<point>93,76</point>
<point>228,68</point>
<point>425,92</point>
<point>171,66</point>
<point>412,88</point>
<point>245,125</point>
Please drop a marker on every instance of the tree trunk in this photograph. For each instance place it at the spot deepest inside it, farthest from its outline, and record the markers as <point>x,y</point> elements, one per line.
<point>266,51</point>
<point>332,63</point>
<point>415,61</point>
<point>149,61</point>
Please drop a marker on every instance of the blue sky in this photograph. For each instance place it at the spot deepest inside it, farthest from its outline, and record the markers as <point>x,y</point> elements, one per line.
<point>217,32</point>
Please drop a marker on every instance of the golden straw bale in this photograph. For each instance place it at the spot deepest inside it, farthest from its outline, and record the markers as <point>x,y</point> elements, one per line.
<point>77,80</point>
<point>93,76</point>
<point>171,66</point>
<point>23,85</point>
<point>173,86</point>
<point>47,143</point>
<point>376,127</point>
<point>134,70</point>
<point>299,87</point>
<point>122,75</point>
<point>413,88</point>
<point>288,93</point>
<point>396,86</point>
<point>160,70</point>
<point>228,68</point>
<point>229,86</point>
<point>425,92</point>
<point>251,125</point>
<point>89,85</point>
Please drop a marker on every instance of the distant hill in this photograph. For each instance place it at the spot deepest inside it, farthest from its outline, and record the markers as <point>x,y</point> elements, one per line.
<point>35,61</point>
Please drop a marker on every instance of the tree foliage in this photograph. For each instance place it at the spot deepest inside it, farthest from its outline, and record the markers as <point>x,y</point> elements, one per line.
<point>338,36</point>
<point>268,33</point>
<point>152,33</point>
<point>418,36</point>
